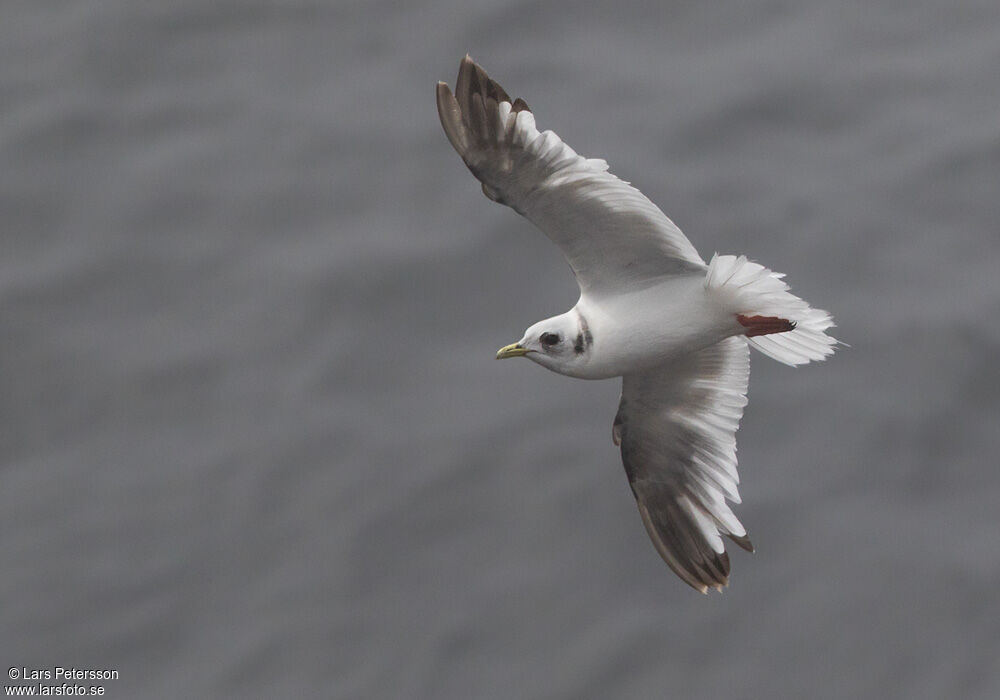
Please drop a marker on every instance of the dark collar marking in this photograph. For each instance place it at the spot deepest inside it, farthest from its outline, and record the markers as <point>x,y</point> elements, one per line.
<point>584,339</point>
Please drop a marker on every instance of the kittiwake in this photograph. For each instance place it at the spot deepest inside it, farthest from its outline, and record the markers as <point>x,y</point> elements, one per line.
<point>677,331</point>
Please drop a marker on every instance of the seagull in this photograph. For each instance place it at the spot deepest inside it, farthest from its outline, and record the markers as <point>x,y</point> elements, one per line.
<point>651,311</point>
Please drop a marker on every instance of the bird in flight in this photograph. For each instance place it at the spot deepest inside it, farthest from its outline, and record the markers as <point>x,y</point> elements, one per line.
<point>651,311</point>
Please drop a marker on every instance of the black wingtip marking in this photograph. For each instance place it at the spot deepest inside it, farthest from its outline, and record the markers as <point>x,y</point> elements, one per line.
<point>492,194</point>
<point>494,90</point>
<point>472,80</point>
<point>472,120</point>
<point>744,542</point>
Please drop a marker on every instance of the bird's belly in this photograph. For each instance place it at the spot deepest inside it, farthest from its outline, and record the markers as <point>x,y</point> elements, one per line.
<point>652,327</point>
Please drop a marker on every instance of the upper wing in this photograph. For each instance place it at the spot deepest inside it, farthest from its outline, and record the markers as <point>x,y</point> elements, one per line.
<point>610,233</point>
<point>677,429</point>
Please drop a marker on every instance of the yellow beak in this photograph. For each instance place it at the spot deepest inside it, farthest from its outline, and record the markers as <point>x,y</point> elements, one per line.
<point>512,350</point>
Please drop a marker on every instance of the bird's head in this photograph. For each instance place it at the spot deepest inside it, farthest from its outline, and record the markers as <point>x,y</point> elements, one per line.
<point>560,343</point>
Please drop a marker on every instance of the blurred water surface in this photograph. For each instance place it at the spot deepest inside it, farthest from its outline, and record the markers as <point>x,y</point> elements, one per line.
<point>253,439</point>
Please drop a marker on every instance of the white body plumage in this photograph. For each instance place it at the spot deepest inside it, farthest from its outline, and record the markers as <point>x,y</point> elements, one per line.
<point>642,328</point>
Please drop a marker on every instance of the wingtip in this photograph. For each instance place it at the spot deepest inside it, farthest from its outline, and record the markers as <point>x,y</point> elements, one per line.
<point>743,542</point>
<point>443,92</point>
<point>450,115</point>
<point>466,68</point>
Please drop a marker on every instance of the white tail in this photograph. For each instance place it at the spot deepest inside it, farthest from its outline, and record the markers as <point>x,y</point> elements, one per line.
<point>752,289</point>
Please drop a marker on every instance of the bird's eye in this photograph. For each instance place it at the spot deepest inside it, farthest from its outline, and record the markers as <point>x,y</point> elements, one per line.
<point>549,339</point>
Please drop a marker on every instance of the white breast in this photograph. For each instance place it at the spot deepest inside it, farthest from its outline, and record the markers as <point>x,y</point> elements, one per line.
<point>648,327</point>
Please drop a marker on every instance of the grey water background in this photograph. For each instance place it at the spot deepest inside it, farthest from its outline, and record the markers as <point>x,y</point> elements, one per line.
<point>253,439</point>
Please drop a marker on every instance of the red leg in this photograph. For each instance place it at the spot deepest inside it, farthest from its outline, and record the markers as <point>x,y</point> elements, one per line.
<point>764,325</point>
